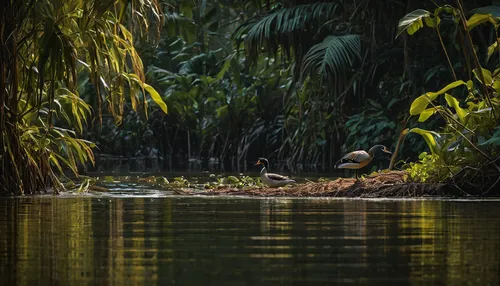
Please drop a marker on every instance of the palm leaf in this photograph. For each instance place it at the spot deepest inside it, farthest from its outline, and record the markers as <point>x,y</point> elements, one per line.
<point>288,28</point>
<point>333,58</point>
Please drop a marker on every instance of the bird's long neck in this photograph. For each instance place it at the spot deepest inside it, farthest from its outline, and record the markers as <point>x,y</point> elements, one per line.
<point>263,171</point>
<point>372,151</point>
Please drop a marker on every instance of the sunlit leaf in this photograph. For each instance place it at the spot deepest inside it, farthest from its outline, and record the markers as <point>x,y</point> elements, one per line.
<point>478,19</point>
<point>413,21</point>
<point>156,97</point>
<point>488,79</point>
<point>428,113</point>
<point>421,102</point>
<point>429,137</point>
<point>453,102</point>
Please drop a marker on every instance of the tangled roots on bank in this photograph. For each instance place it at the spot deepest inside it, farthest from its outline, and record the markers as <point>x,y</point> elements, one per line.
<point>386,184</point>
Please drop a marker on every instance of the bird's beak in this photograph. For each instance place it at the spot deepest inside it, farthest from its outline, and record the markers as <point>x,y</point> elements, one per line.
<point>258,163</point>
<point>387,151</point>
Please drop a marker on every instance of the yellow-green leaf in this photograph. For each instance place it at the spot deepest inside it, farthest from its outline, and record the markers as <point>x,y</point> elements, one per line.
<point>420,103</point>
<point>453,102</point>
<point>432,22</point>
<point>424,115</point>
<point>488,80</point>
<point>478,19</point>
<point>412,22</point>
<point>429,139</point>
<point>156,97</point>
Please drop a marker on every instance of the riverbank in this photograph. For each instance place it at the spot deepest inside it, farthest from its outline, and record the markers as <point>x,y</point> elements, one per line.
<point>393,184</point>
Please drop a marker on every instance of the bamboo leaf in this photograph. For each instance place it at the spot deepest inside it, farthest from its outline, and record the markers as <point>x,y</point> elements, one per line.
<point>156,97</point>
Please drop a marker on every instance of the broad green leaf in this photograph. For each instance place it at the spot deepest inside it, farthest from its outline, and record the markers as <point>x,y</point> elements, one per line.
<point>432,23</point>
<point>496,86</point>
<point>412,22</point>
<point>486,74</point>
<point>428,113</point>
<point>492,49</point>
<point>478,19</point>
<point>453,102</point>
<point>429,139</point>
<point>233,179</point>
<point>420,103</point>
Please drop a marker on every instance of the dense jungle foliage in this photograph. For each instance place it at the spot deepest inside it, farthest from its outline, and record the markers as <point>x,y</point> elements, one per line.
<point>299,82</point>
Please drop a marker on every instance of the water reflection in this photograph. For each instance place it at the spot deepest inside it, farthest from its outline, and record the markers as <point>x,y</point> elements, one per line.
<point>210,241</point>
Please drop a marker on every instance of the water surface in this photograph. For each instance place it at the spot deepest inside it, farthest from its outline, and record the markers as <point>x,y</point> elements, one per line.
<point>165,240</point>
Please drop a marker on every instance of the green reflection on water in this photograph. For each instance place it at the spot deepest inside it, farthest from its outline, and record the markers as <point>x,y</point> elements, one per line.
<point>185,241</point>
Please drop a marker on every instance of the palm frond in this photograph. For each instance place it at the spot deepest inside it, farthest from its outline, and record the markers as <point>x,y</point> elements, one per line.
<point>289,28</point>
<point>333,58</point>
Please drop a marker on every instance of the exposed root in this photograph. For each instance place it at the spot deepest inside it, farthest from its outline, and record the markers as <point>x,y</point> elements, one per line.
<point>483,180</point>
<point>387,184</point>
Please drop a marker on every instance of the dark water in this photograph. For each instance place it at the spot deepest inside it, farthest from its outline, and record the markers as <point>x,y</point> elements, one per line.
<point>240,241</point>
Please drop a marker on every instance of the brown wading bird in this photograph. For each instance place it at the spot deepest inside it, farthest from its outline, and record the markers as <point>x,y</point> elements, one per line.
<point>358,159</point>
<point>270,179</point>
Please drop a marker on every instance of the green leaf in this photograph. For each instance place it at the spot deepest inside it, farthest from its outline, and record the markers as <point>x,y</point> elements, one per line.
<point>432,23</point>
<point>453,102</point>
<point>488,79</point>
<point>424,115</point>
<point>421,102</point>
<point>429,139</point>
<point>478,19</point>
<point>233,180</point>
<point>156,97</point>
<point>224,68</point>
<point>333,58</point>
<point>492,49</point>
<point>494,140</point>
<point>412,22</point>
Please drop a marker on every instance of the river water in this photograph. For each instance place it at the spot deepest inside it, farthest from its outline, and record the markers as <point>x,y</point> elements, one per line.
<point>157,239</point>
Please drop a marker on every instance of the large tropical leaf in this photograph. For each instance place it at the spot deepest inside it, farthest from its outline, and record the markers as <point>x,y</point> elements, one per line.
<point>414,20</point>
<point>430,139</point>
<point>420,104</point>
<point>333,58</point>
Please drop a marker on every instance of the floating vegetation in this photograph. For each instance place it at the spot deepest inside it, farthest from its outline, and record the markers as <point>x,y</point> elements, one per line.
<point>383,184</point>
<point>396,184</point>
<point>85,184</point>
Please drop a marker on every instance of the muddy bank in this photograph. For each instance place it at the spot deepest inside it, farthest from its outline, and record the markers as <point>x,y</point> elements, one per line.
<point>388,184</point>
